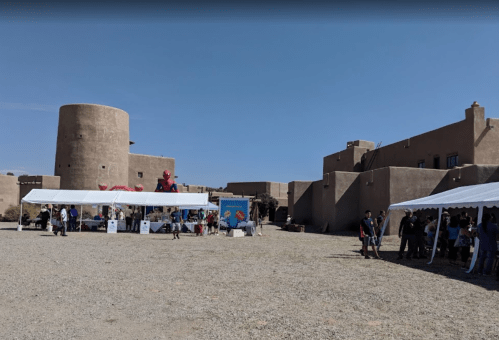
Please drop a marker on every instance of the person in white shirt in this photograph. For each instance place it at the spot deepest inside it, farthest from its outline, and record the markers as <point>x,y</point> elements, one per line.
<point>64,222</point>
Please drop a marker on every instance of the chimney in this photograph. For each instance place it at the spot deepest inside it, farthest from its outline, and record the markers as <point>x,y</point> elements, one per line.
<point>475,112</point>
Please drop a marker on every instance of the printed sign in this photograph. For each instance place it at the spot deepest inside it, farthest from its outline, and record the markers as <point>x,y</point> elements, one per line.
<point>112,227</point>
<point>145,226</point>
<point>234,211</point>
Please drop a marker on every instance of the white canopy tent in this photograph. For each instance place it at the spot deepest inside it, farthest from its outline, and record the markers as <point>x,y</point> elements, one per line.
<point>111,198</point>
<point>472,196</point>
<point>210,206</point>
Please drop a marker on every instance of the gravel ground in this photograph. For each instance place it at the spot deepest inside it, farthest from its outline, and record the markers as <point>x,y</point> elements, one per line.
<point>278,286</point>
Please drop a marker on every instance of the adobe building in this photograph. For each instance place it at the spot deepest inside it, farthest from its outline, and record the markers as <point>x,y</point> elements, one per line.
<point>27,183</point>
<point>365,177</point>
<point>93,146</point>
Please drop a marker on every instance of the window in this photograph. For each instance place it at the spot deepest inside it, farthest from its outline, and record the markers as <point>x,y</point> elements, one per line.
<point>140,175</point>
<point>421,164</point>
<point>452,161</point>
<point>103,167</point>
<point>436,162</point>
<point>69,165</point>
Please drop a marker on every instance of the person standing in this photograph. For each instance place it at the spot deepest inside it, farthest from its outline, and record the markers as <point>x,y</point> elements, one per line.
<point>210,220</point>
<point>129,219</point>
<point>419,251</point>
<point>45,216</point>
<point>176,217</point>
<point>367,225</point>
<point>487,234</point>
<point>407,233</point>
<point>137,217</point>
<point>443,234</point>
<point>464,237</point>
<point>380,220</point>
<point>73,214</point>
<point>64,222</point>
<point>453,233</point>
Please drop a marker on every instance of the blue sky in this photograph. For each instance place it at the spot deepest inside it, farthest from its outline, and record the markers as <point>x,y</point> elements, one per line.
<point>235,97</point>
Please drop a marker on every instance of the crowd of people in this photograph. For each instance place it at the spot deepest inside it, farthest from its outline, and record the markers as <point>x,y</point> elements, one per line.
<point>455,237</point>
<point>174,219</point>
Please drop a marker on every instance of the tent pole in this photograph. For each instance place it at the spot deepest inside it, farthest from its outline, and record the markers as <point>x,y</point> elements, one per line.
<point>385,223</point>
<point>21,213</point>
<point>436,234</point>
<point>81,213</point>
<point>477,241</point>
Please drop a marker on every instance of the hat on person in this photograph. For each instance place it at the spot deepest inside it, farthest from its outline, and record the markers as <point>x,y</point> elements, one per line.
<point>43,209</point>
<point>408,211</point>
<point>446,213</point>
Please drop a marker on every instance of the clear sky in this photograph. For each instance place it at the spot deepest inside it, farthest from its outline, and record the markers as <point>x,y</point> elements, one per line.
<point>257,92</point>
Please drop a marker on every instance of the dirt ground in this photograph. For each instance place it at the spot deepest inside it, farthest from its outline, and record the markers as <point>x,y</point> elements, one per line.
<point>281,285</point>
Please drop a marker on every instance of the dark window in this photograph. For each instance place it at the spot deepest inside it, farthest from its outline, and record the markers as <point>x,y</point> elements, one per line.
<point>140,174</point>
<point>59,165</point>
<point>103,167</point>
<point>81,136</point>
<point>452,161</point>
<point>436,163</point>
<point>421,164</point>
<point>69,165</point>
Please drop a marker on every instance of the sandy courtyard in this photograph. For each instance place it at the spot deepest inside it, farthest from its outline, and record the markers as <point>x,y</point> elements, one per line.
<point>280,286</point>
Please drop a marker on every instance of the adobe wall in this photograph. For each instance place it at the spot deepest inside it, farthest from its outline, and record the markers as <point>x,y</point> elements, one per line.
<point>151,167</point>
<point>278,189</point>
<point>411,183</point>
<point>92,146</point>
<point>300,201</point>
<point>340,200</point>
<point>346,201</point>
<point>374,193</point>
<point>346,160</point>
<point>442,142</point>
<point>9,192</point>
<point>27,183</point>
<point>249,188</point>
<point>316,204</point>
<point>486,133</point>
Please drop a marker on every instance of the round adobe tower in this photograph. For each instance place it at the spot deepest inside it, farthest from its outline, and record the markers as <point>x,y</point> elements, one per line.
<point>92,146</point>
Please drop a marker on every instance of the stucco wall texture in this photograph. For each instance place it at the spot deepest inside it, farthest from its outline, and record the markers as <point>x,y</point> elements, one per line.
<point>150,168</point>
<point>348,188</point>
<point>275,189</point>
<point>9,192</point>
<point>92,146</point>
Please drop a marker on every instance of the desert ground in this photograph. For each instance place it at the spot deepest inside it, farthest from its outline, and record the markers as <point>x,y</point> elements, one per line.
<point>281,285</point>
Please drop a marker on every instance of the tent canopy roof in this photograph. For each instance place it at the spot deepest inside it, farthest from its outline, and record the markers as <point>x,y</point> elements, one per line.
<point>89,197</point>
<point>472,196</point>
<point>210,206</point>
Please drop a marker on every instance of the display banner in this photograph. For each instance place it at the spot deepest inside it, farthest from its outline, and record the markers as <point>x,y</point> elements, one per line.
<point>232,211</point>
<point>112,226</point>
<point>145,226</point>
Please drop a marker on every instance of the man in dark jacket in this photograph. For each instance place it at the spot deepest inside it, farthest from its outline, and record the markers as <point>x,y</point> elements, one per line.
<point>407,231</point>
<point>419,251</point>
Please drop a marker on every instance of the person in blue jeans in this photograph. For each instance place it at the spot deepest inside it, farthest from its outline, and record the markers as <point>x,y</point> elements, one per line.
<point>453,232</point>
<point>487,233</point>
